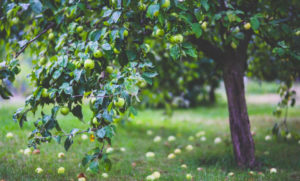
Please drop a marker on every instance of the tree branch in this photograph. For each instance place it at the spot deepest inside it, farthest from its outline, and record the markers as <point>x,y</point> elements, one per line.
<point>32,40</point>
<point>208,48</point>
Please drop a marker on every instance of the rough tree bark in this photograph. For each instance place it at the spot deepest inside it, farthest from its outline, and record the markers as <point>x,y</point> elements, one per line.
<point>243,144</point>
<point>233,63</point>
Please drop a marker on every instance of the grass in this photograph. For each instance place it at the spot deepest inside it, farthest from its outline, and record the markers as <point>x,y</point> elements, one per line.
<point>261,87</point>
<point>215,159</point>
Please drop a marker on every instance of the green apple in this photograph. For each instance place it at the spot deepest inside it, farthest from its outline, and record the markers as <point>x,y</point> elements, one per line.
<point>77,64</point>
<point>89,64</point>
<point>142,6</point>
<point>247,26</point>
<point>156,13</point>
<point>188,176</point>
<point>64,110</point>
<point>82,179</point>
<point>176,38</point>
<point>233,45</point>
<point>105,23</point>
<point>237,29</point>
<point>109,69</point>
<point>79,29</point>
<point>98,54</point>
<point>174,15</point>
<point>45,93</point>
<point>43,61</point>
<point>120,102</point>
<point>95,121</point>
<point>204,25</point>
<point>165,4</point>
<point>142,83</point>
<point>61,155</point>
<point>50,36</point>
<point>61,170</point>
<point>9,135</point>
<point>15,20</point>
<point>125,33</point>
<point>38,170</point>
<point>116,51</point>
<point>297,33</point>
<point>159,32</point>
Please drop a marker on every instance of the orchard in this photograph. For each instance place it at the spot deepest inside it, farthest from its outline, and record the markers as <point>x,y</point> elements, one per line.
<point>113,57</point>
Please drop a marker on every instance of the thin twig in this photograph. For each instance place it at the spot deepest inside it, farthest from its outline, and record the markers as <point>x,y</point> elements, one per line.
<point>67,135</point>
<point>40,34</point>
<point>91,96</point>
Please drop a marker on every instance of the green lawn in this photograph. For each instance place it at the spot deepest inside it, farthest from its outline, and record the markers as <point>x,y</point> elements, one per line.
<point>261,87</point>
<point>215,159</point>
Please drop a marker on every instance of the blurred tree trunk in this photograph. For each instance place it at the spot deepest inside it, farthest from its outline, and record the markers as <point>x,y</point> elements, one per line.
<point>212,96</point>
<point>243,144</point>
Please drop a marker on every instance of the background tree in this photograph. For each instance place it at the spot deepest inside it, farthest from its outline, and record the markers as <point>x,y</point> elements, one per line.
<point>188,82</point>
<point>98,49</point>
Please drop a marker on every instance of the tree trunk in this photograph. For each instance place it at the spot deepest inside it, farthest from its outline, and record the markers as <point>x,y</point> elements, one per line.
<point>212,97</point>
<point>243,144</point>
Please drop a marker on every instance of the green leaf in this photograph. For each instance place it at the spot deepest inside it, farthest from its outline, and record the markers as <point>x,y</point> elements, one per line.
<point>239,35</point>
<point>66,88</point>
<point>131,55</point>
<point>106,12</point>
<point>36,6</point>
<point>175,52</point>
<point>57,74</point>
<point>101,133</point>
<point>132,110</point>
<point>107,164</point>
<point>95,35</point>
<point>152,9</point>
<point>68,143</point>
<point>192,52</point>
<point>106,46</point>
<point>94,166</point>
<point>77,74</point>
<point>131,87</point>
<point>150,74</point>
<point>60,41</point>
<point>196,27</point>
<point>20,116</point>
<point>254,23</point>
<point>86,159</point>
<point>109,131</point>
<point>77,111</point>
<point>115,17</point>
<point>107,116</point>
<point>205,4</point>
<point>57,139</point>
<point>54,111</point>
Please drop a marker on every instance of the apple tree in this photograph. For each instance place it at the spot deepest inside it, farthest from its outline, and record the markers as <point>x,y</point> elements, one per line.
<point>81,51</point>
<point>98,50</point>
